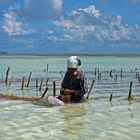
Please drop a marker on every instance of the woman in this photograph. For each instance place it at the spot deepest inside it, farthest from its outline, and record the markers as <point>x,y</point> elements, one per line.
<point>74,86</point>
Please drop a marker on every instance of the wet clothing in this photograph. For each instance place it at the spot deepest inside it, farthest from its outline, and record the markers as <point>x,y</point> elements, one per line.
<point>76,82</point>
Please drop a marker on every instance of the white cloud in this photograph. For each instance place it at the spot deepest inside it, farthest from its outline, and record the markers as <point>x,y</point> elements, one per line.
<point>42,9</point>
<point>91,10</point>
<point>50,32</point>
<point>57,4</point>
<point>12,26</point>
<point>77,26</point>
<point>64,23</point>
<point>117,21</point>
<point>88,26</point>
<point>74,31</point>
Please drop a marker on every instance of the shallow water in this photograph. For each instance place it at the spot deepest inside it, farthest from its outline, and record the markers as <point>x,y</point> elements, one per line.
<point>95,119</point>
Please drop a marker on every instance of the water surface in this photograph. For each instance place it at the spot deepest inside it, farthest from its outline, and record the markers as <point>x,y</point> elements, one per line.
<point>95,119</point>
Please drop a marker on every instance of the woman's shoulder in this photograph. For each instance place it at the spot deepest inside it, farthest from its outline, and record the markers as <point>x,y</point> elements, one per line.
<point>81,74</point>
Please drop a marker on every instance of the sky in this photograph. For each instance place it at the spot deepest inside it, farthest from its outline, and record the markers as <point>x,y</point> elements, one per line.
<point>70,26</point>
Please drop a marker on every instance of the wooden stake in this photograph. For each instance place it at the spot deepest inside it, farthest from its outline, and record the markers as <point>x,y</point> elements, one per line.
<point>44,92</point>
<point>29,79</point>
<point>47,81</point>
<point>130,90</point>
<point>47,68</point>
<point>90,89</point>
<point>115,77</point>
<point>22,85</point>
<point>138,78</point>
<point>95,71</point>
<point>7,72</point>
<point>40,87</point>
<point>111,96</point>
<point>98,74</point>
<point>36,83</point>
<point>111,73</point>
<point>121,72</point>
<point>54,88</point>
<point>137,75</point>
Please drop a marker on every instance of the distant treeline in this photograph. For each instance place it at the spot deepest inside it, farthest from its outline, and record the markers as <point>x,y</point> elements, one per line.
<point>70,54</point>
<point>2,53</point>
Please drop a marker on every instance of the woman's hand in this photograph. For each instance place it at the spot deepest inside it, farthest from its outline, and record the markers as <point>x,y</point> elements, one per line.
<point>65,91</point>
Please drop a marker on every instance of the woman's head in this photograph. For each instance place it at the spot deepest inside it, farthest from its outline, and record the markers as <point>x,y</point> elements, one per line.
<point>73,62</point>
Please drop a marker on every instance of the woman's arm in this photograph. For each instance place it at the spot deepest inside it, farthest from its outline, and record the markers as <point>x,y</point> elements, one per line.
<point>83,87</point>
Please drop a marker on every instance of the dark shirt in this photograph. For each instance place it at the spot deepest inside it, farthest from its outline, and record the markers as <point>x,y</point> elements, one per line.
<point>76,82</point>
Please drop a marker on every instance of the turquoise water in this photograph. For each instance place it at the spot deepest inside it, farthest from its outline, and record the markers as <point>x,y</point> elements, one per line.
<point>95,119</point>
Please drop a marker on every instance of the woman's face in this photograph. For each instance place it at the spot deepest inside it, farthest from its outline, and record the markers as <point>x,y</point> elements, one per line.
<point>72,70</point>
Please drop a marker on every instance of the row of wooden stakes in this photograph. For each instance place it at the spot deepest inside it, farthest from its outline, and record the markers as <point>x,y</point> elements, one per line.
<point>97,73</point>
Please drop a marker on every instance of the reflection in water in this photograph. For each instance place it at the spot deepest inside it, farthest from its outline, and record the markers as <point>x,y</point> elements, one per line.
<point>73,115</point>
<point>131,113</point>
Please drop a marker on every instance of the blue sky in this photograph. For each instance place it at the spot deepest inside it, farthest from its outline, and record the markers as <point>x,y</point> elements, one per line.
<point>70,26</point>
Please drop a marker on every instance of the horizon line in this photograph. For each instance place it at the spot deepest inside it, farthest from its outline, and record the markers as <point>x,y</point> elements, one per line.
<point>69,54</point>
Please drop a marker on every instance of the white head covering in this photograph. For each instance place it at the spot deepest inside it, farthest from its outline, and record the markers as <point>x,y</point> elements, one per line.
<point>73,62</point>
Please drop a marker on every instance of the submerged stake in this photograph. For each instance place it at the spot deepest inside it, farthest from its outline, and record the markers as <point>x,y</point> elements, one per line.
<point>95,71</point>
<point>90,89</point>
<point>40,87</point>
<point>47,69</point>
<point>138,78</point>
<point>54,88</point>
<point>115,77</point>
<point>111,96</point>
<point>130,90</point>
<point>7,72</point>
<point>44,92</point>
<point>36,83</point>
<point>11,81</point>
<point>29,79</point>
<point>137,75</point>
<point>22,85</point>
<point>47,81</point>
<point>111,73</point>
<point>121,72</point>
<point>98,74</point>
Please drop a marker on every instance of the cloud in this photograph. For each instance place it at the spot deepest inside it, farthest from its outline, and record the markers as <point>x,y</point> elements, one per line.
<point>84,23</point>
<point>11,25</point>
<point>42,9</point>
<point>91,11</point>
<point>57,4</point>
<point>93,28</point>
<point>18,18</point>
<point>84,29</point>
